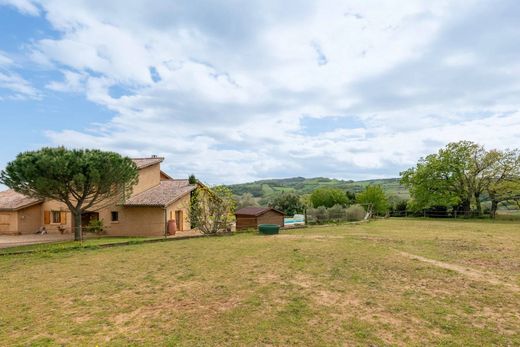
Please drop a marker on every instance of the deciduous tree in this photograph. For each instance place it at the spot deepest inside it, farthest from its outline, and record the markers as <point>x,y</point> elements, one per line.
<point>328,197</point>
<point>374,196</point>
<point>211,209</point>
<point>287,202</point>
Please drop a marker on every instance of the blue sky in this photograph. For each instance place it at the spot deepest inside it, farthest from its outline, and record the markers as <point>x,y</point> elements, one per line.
<point>232,93</point>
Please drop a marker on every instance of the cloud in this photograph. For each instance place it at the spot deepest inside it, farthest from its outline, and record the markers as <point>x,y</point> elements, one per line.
<point>12,85</point>
<point>226,91</point>
<point>24,6</point>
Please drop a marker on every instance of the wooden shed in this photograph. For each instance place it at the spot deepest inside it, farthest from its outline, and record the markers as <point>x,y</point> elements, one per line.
<point>251,217</point>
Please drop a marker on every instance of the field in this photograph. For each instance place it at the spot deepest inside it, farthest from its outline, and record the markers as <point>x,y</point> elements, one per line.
<point>300,185</point>
<point>389,282</point>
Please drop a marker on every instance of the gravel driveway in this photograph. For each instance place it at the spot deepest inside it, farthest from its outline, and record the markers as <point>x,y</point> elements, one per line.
<point>31,239</point>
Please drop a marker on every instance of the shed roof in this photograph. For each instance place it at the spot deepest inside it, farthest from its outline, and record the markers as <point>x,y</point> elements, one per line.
<point>145,162</point>
<point>162,195</point>
<point>255,211</point>
<point>12,201</point>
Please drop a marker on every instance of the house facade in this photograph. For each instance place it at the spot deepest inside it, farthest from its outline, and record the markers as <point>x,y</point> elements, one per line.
<point>157,201</point>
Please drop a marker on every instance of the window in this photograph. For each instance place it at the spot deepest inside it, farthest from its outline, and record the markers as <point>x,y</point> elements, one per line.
<point>115,216</point>
<point>56,217</point>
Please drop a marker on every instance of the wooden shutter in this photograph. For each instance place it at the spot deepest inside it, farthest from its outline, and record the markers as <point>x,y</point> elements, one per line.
<point>63,217</point>
<point>46,217</point>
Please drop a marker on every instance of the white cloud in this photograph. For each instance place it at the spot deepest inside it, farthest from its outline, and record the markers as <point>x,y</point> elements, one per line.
<point>5,60</point>
<point>222,89</point>
<point>25,6</point>
<point>14,85</point>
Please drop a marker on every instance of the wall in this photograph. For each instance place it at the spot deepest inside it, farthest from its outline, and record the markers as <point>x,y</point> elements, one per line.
<point>29,219</point>
<point>148,177</point>
<point>271,217</point>
<point>246,222</point>
<point>183,204</point>
<point>164,177</point>
<point>52,205</point>
<point>8,223</point>
<point>134,221</point>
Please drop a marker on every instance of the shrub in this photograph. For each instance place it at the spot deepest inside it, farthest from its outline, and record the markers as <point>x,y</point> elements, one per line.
<point>336,213</point>
<point>95,226</point>
<point>317,215</point>
<point>355,213</point>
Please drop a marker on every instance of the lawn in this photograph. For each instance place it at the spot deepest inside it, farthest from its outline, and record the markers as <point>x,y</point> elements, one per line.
<point>389,282</point>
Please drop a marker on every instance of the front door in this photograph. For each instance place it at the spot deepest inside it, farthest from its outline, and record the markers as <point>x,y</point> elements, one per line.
<point>178,220</point>
<point>86,217</point>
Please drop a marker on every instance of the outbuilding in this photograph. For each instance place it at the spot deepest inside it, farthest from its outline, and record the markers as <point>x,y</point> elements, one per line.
<point>251,217</point>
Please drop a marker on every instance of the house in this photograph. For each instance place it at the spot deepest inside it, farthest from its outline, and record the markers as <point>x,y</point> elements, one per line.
<point>156,201</point>
<point>251,217</point>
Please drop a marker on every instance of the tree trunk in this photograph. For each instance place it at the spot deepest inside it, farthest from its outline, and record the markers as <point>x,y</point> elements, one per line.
<point>494,207</point>
<point>466,207</point>
<point>478,205</point>
<point>77,226</point>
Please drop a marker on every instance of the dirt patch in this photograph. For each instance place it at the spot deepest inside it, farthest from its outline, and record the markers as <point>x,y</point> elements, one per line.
<point>471,273</point>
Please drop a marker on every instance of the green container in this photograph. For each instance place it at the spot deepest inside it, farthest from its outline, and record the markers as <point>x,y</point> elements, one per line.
<point>269,229</point>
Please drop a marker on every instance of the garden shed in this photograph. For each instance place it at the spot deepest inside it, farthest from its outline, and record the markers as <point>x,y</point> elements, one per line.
<point>251,217</point>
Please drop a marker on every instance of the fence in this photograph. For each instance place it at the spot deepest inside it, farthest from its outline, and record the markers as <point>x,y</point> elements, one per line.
<point>454,214</point>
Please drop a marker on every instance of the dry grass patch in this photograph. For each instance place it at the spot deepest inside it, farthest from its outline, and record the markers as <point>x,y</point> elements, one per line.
<point>338,285</point>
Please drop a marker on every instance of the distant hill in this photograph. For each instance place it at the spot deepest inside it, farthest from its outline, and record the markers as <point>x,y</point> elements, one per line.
<point>303,185</point>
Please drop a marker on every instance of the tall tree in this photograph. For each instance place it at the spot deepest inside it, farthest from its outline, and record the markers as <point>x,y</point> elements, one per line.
<point>328,197</point>
<point>287,202</point>
<point>374,195</point>
<point>78,178</point>
<point>504,182</point>
<point>246,200</point>
<point>455,176</point>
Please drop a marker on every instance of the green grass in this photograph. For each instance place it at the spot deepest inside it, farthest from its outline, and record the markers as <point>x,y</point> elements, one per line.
<point>66,245</point>
<point>336,285</point>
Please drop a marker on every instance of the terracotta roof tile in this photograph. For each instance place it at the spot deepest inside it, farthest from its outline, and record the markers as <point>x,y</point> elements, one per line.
<point>11,200</point>
<point>161,195</point>
<point>145,162</point>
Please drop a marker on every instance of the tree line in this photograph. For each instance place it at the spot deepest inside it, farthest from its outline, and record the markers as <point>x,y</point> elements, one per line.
<point>292,203</point>
<point>461,176</point>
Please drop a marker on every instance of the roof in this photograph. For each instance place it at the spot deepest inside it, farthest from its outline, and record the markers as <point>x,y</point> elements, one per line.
<point>162,195</point>
<point>255,211</point>
<point>11,200</point>
<point>145,162</point>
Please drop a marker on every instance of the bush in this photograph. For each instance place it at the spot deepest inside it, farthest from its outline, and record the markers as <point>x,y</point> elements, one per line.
<point>355,213</point>
<point>318,215</point>
<point>95,226</point>
<point>336,213</point>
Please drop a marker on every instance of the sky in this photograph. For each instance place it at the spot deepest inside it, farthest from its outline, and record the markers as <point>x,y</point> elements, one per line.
<point>236,91</point>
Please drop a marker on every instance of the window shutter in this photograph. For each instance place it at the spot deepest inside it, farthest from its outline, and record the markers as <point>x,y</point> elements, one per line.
<point>46,217</point>
<point>63,218</point>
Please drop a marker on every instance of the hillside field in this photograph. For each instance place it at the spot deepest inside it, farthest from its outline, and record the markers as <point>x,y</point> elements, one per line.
<point>302,186</point>
<point>388,282</point>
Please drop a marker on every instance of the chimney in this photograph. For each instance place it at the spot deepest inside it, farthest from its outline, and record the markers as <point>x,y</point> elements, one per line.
<point>154,156</point>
